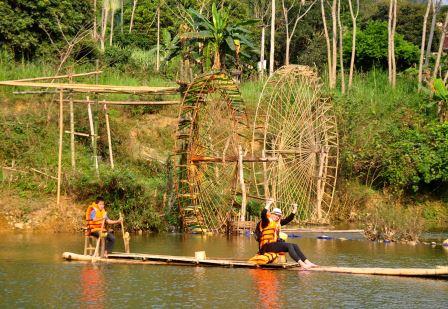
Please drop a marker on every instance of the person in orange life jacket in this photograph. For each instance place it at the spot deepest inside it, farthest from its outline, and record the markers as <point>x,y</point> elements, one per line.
<point>95,220</point>
<point>270,241</point>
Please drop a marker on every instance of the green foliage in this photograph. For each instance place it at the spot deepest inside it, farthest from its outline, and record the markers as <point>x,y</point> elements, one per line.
<point>372,47</point>
<point>123,191</point>
<point>27,26</point>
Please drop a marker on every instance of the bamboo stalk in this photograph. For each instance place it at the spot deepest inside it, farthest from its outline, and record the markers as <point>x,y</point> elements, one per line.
<point>92,134</point>
<point>72,128</point>
<point>61,134</point>
<point>78,133</point>
<point>58,76</point>
<point>109,139</point>
<point>125,235</point>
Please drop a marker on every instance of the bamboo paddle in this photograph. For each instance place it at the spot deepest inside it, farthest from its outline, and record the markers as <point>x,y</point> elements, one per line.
<point>126,236</point>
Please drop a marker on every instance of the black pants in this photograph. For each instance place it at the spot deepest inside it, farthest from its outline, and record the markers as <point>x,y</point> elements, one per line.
<point>278,246</point>
<point>110,240</point>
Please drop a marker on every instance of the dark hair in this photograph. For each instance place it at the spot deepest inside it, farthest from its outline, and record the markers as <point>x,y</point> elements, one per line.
<point>99,199</point>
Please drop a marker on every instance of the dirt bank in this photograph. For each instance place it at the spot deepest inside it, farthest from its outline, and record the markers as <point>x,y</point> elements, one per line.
<point>39,213</point>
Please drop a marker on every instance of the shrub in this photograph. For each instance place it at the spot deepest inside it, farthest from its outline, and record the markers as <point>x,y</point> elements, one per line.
<point>393,223</point>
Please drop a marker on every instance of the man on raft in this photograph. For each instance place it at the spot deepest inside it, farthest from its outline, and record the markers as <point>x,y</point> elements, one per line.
<point>96,217</point>
<point>270,241</point>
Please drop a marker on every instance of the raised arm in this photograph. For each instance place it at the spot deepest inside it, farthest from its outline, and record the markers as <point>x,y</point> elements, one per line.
<point>264,213</point>
<point>290,217</point>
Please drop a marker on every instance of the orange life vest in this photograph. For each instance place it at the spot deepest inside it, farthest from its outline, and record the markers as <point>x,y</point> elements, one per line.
<point>270,233</point>
<point>94,225</point>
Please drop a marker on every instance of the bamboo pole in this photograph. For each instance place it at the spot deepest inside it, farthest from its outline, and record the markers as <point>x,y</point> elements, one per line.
<point>109,139</point>
<point>72,128</point>
<point>243,185</point>
<point>422,46</point>
<point>57,76</point>
<point>125,235</point>
<point>155,103</point>
<point>61,134</point>
<point>158,40</point>
<point>92,134</point>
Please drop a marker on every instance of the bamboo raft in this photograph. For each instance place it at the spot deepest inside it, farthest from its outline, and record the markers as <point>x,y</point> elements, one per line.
<point>440,272</point>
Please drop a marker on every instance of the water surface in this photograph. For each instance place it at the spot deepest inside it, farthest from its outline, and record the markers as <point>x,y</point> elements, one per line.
<point>32,274</point>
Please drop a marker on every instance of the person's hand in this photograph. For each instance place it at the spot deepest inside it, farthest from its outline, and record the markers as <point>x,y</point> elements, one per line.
<point>294,208</point>
<point>269,202</point>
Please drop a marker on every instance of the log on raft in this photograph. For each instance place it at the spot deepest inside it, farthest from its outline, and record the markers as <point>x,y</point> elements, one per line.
<point>153,259</point>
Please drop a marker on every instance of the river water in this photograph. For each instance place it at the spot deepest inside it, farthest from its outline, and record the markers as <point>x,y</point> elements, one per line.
<point>33,275</point>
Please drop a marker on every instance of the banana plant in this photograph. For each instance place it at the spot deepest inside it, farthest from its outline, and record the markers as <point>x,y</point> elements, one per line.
<point>440,94</point>
<point>219,34</point>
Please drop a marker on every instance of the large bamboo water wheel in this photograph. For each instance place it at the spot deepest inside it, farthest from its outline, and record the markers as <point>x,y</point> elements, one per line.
<point>211,120</point>
<point>295,125</point>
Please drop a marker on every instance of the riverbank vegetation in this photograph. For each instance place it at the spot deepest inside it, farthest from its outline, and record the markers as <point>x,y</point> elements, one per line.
<point>393,137</point>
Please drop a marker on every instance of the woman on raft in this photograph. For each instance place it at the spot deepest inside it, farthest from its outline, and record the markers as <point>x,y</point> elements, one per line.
<point>270,240</point>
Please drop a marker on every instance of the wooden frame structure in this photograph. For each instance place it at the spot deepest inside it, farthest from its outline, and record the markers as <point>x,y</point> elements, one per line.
<point>293,158</point>
<point>66,94</point>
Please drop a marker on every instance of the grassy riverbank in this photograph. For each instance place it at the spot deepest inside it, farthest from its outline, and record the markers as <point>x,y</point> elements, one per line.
<point>393,153</point>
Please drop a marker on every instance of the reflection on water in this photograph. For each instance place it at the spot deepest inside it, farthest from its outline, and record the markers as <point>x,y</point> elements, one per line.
<point>92,284</point>
<point>32,274</point>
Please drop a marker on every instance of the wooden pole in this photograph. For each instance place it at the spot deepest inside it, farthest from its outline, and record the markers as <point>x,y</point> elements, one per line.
<point>109,139</point>
<point>72,128</point>
<point>93,136</point>
<point>125,234</point>
<point>243,185</point>
<point>61,134</point>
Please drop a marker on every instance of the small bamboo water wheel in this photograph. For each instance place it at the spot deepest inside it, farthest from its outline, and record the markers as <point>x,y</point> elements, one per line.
<point>295,125</point>
<point>210,124</point>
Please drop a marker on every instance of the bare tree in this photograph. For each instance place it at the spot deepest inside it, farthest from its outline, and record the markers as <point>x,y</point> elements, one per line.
<point>422,48</point>
<point>436,4</point>
<point>290,34</point>
<point>113,5</point>
<point>392,23</point>
<point>341,58</point>
<point>272,49</point>
<point>440,51</point>
<point>261,10</point>
<point>104,15</point>
<point>95,35</point>
<point>158,39</point>
<point>327,41</point>
<point>352,58</point>
<point>131,24</point>
<point>335,42</point>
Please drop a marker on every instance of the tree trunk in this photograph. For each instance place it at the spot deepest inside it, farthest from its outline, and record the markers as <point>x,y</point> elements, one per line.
<point>158,40</point>
<point>389,49</point>
<point>435,11</point>
<point>105,13</point>
<point>341,58</point>
<point>131,24</point>
<point>95,35</point>
<point>263,30</point>
<point>122,14</point>
<point>272,49</point>
<point>422,48</point>
<point>288,41</point>
<point>217,60</point>
<point>335,43</point>
<point>111,36</point>
<point>352,58</point>
<point>327,40</point>
<point>394,63</point>
<point>440,51</point>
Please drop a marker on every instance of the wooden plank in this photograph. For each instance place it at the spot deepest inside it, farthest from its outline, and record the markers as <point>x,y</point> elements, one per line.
<point>94,88</point>
<point>317,230</point>
<point>61,135</point>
